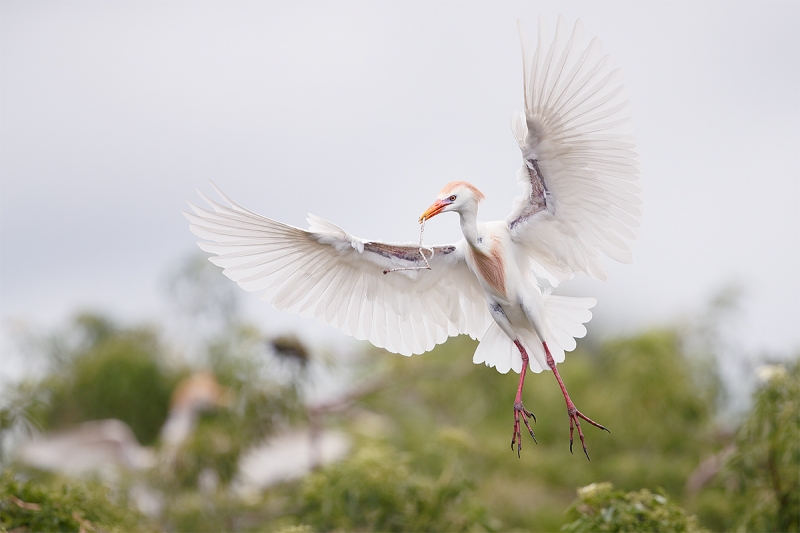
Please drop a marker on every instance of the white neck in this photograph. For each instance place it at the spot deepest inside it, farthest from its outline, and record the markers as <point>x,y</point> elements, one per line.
<point>469,226</point>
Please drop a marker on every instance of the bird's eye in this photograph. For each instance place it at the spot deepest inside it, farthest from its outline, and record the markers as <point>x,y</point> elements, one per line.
<point>452,198</point>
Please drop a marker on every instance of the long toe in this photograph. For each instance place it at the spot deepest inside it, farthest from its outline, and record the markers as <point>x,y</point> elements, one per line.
<point>521,415</point>
<point>575,423</point>
<point>592,422</point>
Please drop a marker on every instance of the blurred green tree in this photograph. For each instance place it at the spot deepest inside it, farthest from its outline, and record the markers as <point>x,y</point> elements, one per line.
<point>258,404</point>
<point>110,372</point>
<point>18,405</point>
<point>53,504</point>
<point>642,388</point>
<point>600,508</point>
<point>433,431</point>
<point>376,490</point>
<point>765,468</point>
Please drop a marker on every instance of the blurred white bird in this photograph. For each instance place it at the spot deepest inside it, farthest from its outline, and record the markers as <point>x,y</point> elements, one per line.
<point>580,201</point>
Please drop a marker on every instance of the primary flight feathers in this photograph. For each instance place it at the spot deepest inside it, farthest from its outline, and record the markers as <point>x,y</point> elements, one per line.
<point>580,166</point>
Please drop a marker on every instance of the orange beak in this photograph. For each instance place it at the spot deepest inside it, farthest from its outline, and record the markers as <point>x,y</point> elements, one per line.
<point>433,210</point>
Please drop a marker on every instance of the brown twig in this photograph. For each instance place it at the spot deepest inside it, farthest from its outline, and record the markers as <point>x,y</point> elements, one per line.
<point>427,265</point>
<point>25,505</point>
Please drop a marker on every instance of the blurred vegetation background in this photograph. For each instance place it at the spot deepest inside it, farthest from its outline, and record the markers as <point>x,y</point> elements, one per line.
<point>429,434</point>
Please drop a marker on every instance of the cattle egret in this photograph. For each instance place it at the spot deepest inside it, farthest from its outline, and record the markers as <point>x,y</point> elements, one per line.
<point>580,201</point>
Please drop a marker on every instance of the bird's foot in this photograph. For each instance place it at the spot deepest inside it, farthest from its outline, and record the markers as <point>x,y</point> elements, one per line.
<point>572,411</point>
<point>574,416</point>
<point>520,411</point>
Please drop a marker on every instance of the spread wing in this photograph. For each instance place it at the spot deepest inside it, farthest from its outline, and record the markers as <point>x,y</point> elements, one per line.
<point>580,170</point>
<point>326,273</point>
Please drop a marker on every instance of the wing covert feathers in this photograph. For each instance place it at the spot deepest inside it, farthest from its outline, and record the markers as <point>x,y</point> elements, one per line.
<point>326,273</point>
<point>574,132</point>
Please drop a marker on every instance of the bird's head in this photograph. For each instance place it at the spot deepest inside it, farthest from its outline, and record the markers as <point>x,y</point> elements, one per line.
<point>458,196</point>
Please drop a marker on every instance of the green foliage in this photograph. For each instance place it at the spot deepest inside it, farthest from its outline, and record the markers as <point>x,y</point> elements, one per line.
<point>641,388</point>
<point>58,505</point>
<point>99,370</point>
<point>110,373</point>
<point>195,512</point>
<point>213,446</point>
<point>376,490</point>
<point>765,469</point>
<point>600,508</point>
<point>661,421</point>
<point>257,405</point>
<point>433,436</point>
<point>659,389</point>
<point>266,393</point>
<point>18,405</point>
<point>296,529</point>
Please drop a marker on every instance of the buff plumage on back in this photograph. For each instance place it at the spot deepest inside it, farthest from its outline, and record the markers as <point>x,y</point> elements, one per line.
<point>574,138</point>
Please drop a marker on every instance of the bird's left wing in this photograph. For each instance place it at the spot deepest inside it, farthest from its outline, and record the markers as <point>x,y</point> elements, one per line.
<point>580,168</point>
<point>326,273</point>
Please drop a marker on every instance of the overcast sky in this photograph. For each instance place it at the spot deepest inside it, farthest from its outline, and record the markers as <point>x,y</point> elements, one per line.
<point>113,113</point>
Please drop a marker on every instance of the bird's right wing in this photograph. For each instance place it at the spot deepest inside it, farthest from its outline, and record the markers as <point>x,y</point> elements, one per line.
<point>326,273</point>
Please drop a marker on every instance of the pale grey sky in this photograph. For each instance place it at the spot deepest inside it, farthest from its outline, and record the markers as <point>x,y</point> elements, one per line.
<point>112,113</point>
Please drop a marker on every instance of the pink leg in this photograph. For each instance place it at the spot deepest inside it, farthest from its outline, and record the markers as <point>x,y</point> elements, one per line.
<point>519,409</point>
<point>572,411</point>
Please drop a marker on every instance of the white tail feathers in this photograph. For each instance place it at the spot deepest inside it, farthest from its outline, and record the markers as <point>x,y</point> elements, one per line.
<point>497,350</point>
<point>564,319</point>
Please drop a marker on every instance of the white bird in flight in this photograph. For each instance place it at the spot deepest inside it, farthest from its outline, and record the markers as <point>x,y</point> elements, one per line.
<point>580,201</point>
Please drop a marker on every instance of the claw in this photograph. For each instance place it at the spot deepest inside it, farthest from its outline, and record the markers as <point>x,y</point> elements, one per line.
<point>571,429</point>
<point>574,422</point>
<point>528,414</point>
<point>516,438</point>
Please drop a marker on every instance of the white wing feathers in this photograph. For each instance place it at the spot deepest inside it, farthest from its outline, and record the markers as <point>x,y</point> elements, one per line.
<point>337,278</point>
<point>580,175</point>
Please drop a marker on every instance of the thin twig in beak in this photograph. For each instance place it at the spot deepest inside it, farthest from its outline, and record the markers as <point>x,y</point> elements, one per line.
<point>427,265</point>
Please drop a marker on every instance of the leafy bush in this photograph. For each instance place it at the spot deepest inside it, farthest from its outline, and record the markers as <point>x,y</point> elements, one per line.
<point>433,416</point>
<point>55,505</point>
<point>765,468</point>
<point>195,512</point>
<point>660,393</point>
<point>600,508</point>
<point>376,490</point>
<point>640,387</point>
<point>109,372</point>
<point>662,423</point>
<point>258,405</point>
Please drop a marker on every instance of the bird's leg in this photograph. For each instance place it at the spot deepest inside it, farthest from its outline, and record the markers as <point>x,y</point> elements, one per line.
<point>519,409</point>
<point>572,411</point>
<point>427,265</point>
